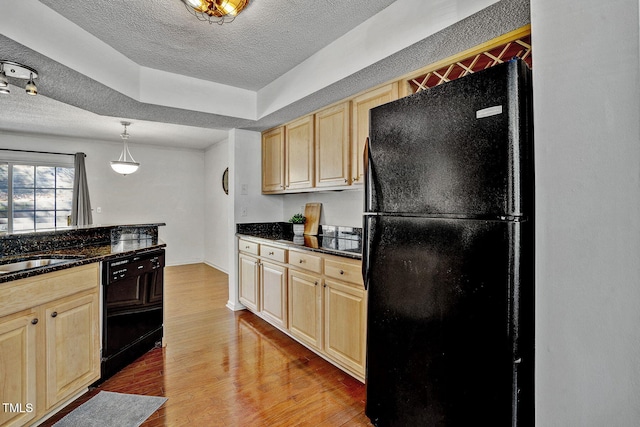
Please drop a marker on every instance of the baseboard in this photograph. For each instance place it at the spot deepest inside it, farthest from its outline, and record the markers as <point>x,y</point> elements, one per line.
<point>217,267</point>
<point>235,307</point>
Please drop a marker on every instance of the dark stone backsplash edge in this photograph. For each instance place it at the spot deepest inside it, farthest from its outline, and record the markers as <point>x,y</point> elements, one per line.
<point>334,240</point>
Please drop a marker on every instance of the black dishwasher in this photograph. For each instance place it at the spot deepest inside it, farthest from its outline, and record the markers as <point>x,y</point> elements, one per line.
<point>132,308</point>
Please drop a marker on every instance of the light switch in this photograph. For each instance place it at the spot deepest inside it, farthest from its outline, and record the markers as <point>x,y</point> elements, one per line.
<point>244,189</point>
<point>243,211</point>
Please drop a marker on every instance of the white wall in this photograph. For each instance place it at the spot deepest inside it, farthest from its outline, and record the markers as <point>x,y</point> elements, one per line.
<point>217,203</point>
<point>338,207</point>
<point>587,136</point>
<point>250,205</point>
<point>167,188</point>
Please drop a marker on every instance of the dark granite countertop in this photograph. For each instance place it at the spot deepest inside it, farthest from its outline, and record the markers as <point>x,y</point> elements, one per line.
<point>80,246</point>
<point>333,240</point>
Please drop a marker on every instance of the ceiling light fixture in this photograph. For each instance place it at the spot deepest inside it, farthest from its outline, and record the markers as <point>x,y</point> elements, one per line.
<point>218,11</point>
<point>17,71</point>
<point>126,164</point>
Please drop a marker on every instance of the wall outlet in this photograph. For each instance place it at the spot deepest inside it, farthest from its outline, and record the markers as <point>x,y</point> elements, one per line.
<point>98,209</point>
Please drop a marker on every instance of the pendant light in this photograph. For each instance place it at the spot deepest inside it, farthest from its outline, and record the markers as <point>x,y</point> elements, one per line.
<point>126,164</point>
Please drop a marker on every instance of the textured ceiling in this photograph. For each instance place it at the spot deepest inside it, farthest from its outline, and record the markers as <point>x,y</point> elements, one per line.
<point>268,39</point>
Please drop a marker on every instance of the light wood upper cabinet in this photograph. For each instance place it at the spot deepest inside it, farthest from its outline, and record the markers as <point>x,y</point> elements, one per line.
<point>273,160</point>
<point>332,146</point>
<point>360,107</point>
<point>299,154</point>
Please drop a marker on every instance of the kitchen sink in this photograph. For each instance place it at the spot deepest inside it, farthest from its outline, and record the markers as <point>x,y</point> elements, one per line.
<point>34,263</point>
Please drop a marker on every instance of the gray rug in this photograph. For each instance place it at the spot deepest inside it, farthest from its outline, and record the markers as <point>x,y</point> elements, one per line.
<point>107,409</point>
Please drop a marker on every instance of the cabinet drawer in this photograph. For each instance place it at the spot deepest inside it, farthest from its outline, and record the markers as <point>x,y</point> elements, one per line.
<point>271,252</point>
<point>26,293</point>
<point>343,270</point>
<point>247,246</point>
<point>306,261</point>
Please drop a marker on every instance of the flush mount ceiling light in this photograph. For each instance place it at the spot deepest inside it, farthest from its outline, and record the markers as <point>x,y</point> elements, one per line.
<point>218,11</point>
<point>17,71</point>
<point>126,164</point>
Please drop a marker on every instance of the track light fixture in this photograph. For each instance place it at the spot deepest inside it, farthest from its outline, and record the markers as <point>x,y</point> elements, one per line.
<point>17,71</point>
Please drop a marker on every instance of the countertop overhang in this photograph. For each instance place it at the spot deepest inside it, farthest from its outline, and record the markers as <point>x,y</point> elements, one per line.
<point>80,246</point>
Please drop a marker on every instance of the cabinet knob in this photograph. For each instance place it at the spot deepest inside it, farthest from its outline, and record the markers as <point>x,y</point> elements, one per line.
<point>54,314</point>
<point>341,272</point>
<point>354,179</point>
<point>301,261</point>
<point>316,283</point>
<point>34,321</point>
<point>270,253</point>
<point>346,180</point>
<point>325,285</point>
<point>247,247</point>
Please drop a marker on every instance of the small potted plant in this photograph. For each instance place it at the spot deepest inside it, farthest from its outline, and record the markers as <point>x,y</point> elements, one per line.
<point>298,223</point>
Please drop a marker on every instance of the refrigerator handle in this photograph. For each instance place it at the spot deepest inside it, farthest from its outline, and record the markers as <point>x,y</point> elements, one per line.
<point>366,157</point>
<point>365,220</point>
<point>365,252</point>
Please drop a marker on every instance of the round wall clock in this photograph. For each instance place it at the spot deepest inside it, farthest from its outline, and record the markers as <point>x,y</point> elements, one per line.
<point>225,181</point>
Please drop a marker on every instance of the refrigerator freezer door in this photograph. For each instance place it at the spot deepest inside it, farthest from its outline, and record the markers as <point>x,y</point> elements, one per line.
<point>462,148</point>
<point>442,344</point>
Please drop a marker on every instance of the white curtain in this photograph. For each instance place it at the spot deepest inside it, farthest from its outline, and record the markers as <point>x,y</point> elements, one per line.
<point>80,205</point>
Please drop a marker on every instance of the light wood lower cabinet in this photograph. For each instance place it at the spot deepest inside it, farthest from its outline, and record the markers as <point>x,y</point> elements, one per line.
<point>249,281</point>
<point>72,342</point>
<point>50,349</point>
<point>318,299</point>
<point>274,293</point>
<point>305,308</point>
<point>345,315</point>
<point>18,368</point>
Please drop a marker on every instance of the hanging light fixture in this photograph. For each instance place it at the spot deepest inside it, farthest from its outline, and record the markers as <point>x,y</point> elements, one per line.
<point>17,71</point>
<point>218,11</point>
<point>126,164</point>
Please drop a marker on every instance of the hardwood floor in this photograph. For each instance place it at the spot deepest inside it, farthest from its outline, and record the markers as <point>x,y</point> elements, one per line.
<point>224,368</point>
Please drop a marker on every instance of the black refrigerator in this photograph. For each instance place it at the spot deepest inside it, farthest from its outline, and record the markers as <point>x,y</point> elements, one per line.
<point>448,254</point>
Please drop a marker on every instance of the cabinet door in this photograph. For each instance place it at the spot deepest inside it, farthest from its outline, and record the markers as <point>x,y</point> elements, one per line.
<point>248,279</point>
<point>274,293</point>
<point>305,308</point>
<point>273,160</point>
<point>72,348</point>
<point>18,369</point>
<point>332,146</point>
<point>345,324</point>
<point>299,154</point>
<point>360,107</point>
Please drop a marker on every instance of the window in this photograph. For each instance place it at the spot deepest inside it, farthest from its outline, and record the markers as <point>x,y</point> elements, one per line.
<point>34,196</point>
